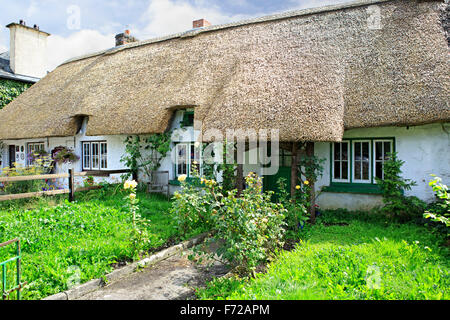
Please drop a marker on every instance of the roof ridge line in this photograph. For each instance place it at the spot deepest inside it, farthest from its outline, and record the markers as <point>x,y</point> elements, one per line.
<point>262,19</point>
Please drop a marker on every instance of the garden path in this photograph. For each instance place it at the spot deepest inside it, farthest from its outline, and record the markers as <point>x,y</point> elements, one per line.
<point>172,279</point>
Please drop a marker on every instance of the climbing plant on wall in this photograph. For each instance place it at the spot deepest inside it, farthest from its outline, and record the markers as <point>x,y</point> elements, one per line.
<point>146,153</point>
<point>10,89</point>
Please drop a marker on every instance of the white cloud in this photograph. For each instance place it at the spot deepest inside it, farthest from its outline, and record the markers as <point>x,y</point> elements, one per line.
<point>3,41</point>
<point>164,17</point>
<point>79,43</point>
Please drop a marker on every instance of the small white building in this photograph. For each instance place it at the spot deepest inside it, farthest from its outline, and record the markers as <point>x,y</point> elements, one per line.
<point>326,75</point>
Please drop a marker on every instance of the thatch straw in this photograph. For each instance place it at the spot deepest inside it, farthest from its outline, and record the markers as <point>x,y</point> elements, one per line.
<point>309,73</point>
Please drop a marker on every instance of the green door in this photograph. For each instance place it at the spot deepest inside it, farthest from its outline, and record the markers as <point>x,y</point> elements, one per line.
<point>270,182</point>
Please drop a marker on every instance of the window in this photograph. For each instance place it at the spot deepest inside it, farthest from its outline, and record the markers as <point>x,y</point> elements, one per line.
<point>94,155</point>
<point>186,155</point>
<point>382,149</point>
<point>359,160</point>
<point>341,168</point>
<point>188,119</point>
<point>32,147</point>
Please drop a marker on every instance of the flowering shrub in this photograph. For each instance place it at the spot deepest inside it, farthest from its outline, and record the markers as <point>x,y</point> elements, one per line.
<point>442,207</point>
<point>296,209</point>
<point>249,229</point>
<point>195,204</point>
<point>40,166</point>
<point>139,235</point>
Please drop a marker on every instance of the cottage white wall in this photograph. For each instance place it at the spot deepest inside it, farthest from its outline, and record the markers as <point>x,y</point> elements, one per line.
<point>116,149</point>
<point>425,150</point>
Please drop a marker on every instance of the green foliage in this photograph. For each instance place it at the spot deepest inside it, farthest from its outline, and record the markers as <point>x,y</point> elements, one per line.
<point>195,204</point>
<point>92,235</point>
<point>311,167</point>
<point>139,234</point>
<point>10,89</point>
<point>350,256</point>
<point>63,154</point>
<point>146,153</point>
<point>393,186</point>
<point>249,229</point>
<point>42,165</point>
<point>296,212</point>
<point>442,207</point>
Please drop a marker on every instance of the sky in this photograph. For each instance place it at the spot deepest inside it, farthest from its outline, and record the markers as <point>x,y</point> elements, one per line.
<point>78,27</point>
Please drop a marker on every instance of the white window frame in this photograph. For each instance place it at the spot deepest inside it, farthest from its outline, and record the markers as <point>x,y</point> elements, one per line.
<point>88,159</point>
<point>369,180</point>
<point>34,144</point>
<point>349,161</point>
<point>188,146</point>
<point>375,153</point>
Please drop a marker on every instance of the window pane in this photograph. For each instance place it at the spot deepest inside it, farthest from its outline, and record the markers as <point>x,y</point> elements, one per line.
<point>357,170</point>
<point>365,151</point>
<point>344,150</point>
<point>86,156</point>
<point>104,156</point>
<point>181,159</point>
<point>337,151</point>
<point>387,149</point>
<point>95,156</point>
<point>357,151</point>
<point>379,150</point>
<point>365,166</point>
<point>379,169</point>
<point>344,170</point>
<point>337,170</point>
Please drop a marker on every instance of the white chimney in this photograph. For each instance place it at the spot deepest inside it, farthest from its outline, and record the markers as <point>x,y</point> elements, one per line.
<point>28,49</point>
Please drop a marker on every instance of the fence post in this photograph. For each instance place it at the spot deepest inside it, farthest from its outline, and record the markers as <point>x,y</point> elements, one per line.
<point>71,186</point>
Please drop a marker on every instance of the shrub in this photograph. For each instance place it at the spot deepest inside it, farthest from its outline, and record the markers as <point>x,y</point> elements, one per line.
<point>296,209</point>
<point>195,203</point>
<point>441,209</point>
<point>40,167</point>
<point>249,229</point>
<point>393,186</point>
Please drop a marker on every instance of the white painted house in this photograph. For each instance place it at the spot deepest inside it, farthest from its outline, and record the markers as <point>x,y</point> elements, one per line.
<point>359,80</point>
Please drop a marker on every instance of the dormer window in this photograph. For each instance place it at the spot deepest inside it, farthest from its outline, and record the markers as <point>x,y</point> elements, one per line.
<point>188,118</point>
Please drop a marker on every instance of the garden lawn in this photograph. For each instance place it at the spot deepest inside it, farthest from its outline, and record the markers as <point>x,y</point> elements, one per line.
<point>369,258</point>
<point>83,240</point>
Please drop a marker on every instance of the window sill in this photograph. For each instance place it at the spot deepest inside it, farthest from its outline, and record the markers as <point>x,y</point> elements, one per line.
<point>357,188</point>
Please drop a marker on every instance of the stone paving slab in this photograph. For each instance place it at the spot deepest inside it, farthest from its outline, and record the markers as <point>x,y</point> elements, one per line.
<point>170,279</point>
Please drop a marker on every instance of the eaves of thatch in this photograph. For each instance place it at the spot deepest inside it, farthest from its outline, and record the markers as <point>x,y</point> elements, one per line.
<point>309,73</point>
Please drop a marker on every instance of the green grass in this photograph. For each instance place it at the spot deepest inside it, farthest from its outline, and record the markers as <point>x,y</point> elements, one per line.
<point>369,258</point>
<point>61,241</point>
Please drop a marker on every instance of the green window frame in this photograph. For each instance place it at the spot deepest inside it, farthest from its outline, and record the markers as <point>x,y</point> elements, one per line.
<point>188,119</point>
<point>367,154</point>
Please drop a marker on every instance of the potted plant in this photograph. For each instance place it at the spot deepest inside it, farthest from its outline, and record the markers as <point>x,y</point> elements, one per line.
<point>64,155</point>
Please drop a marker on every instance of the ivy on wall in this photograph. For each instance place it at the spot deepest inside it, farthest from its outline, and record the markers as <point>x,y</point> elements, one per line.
<point>10,89</point>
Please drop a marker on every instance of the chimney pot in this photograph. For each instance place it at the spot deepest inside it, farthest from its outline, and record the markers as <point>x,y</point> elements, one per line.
<point>201,23</point>
<point>124,38</point>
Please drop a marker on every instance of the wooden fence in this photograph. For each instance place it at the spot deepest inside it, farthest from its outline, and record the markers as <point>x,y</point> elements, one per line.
<point>70,191</point>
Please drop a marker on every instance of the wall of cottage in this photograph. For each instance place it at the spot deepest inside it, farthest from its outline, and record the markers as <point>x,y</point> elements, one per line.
<point>425,150</point>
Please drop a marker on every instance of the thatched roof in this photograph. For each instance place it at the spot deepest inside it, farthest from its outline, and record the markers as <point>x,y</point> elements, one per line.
<point>310,73</point>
